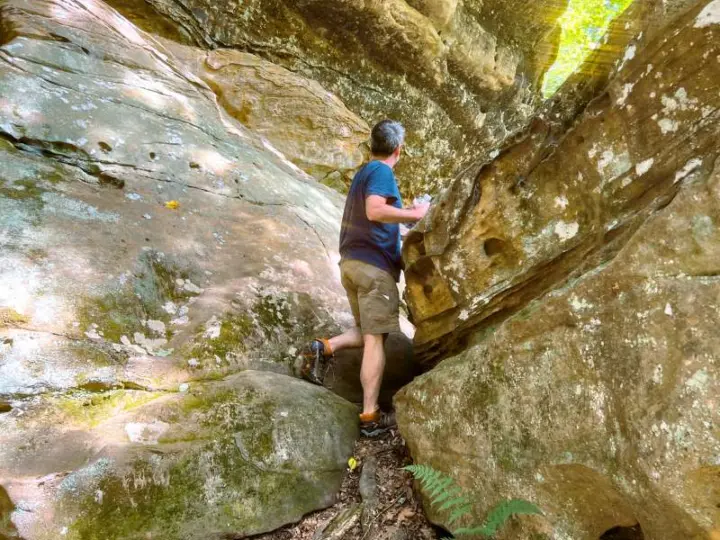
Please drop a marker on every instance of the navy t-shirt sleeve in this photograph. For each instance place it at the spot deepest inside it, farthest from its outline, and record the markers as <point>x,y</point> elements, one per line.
<point>381,182</point>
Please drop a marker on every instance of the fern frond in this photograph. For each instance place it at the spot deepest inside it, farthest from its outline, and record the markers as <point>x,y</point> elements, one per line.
<point>504,510</point>
<point>442,485</point>
<point>457,501</point>
<point>433,482</point>
<point>498,516</point>
<point>459,512</point>
<point>442,489</point>
<point>453,492</point>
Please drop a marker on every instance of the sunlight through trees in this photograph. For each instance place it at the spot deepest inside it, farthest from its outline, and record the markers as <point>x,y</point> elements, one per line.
<point>584,25</point>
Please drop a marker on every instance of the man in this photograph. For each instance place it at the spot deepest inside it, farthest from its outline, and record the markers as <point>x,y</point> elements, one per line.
<point>370,267</point>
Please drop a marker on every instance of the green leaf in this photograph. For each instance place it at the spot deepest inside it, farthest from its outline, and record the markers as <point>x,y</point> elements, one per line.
<point>454,491</point>
<point>459,512</point>
<point>583,25</point>
<point>504,511</point>
<point>457,501</point>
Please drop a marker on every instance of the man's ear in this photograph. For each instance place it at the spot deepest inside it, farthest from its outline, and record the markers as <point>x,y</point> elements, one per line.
<point>398,152</point>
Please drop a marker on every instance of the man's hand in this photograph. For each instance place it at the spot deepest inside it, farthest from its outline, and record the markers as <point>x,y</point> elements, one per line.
<point>378,209</point>
<point>420,210</point>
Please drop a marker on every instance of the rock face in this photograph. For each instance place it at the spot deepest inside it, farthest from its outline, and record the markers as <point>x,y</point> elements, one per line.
<point>556,203</point>
<point>235,457</point>
<point>460,75</point>
<point>310,126</point>
<point>151,248</point>
<point>578,271</point>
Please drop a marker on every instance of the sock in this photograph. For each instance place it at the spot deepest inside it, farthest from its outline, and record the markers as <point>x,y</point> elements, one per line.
<point>327,349</point>
<point>370,417</point>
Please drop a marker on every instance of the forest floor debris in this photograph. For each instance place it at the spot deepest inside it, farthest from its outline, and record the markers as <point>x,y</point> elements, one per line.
<point>398,511</point>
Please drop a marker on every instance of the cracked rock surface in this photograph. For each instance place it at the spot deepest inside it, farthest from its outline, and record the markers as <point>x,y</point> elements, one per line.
<point>154,254</point>
<point>461,76</point>
<point>572,284</point>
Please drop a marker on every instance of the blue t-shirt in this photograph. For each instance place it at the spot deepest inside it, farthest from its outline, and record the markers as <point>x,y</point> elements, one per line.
<point>370,241</point>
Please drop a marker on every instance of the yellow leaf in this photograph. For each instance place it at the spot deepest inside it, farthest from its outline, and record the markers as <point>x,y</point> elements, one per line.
<point>352,463</point>
<point>172,205</point>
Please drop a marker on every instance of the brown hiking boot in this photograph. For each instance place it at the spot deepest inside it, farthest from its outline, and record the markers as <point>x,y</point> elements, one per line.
<point>315,359</point>
<point>377,423</point>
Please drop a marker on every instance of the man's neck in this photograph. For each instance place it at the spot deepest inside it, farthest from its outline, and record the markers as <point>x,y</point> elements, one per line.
<point>390,161</point>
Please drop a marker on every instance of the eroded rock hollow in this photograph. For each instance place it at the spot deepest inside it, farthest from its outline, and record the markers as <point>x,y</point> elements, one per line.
<point>577,273</point>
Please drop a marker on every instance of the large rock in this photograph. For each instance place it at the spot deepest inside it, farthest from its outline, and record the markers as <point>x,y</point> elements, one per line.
<point>149,241</point>
<point>231,458</point>
<point>460,75</point>
<point>581,278</point>
<point>309,125</point>
<point>558,203</point>
<point>599,402</point>
<point>111,285</point>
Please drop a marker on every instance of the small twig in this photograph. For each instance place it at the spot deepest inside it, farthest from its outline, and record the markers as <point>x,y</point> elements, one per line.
<point>380,513</point>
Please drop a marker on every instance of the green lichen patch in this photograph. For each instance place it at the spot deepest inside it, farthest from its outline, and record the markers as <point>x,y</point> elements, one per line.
<point>270,327</point>
<point>228,336</point>
<point>89,409</point>
<point>21,190</point>
<point>11,318</point>
<point>117,314</point>
<point>206,492</point>
<point>289,320</point>
<point>124,311</point>
<point>220,469</point>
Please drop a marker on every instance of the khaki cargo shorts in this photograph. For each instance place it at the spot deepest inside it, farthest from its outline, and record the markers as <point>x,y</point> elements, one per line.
<point>373,296</point>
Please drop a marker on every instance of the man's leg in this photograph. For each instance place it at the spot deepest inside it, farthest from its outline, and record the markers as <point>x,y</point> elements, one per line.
<point>371,373</point>
<point>322,349</point>
<point>347,340</point>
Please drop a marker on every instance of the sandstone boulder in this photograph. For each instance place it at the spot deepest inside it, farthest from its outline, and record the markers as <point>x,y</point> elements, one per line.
<point>598,402</point>
<point>236,457</point>
<point>460,75</point>
<point>559,202</point>
<point>579,278</point>
<point>309,125</point>
<point>109,284</point>
<point>149,245</point>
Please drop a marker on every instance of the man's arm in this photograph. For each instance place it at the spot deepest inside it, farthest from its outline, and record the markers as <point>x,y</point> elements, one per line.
<point>377,209</point>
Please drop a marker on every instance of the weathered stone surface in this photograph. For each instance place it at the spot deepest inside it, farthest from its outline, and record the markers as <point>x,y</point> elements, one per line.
<point>599,402</point>
<point>309,125</point>
<point>234,457</point>
<point>558,203</point>
<point>461,76</point>
<point>580,275</point>
<point>114,287</point>
<point>115,304</point>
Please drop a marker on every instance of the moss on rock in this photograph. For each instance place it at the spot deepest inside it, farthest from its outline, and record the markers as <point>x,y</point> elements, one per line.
<point>9,318</point>
<point>89,409</point>
<point>233,330</point>
<point>237,457</point>
<point>124,311</point>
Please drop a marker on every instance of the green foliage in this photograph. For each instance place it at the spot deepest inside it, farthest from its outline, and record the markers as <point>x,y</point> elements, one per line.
<point>443,491</point>
<point>584,25</point>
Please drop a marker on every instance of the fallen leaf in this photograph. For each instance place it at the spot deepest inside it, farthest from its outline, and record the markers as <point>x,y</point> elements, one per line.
<point>405,514</point>
<point>172,205</point>
<point>352,463</point>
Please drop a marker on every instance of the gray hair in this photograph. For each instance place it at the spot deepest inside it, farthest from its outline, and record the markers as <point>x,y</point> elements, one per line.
<point>386,137</point>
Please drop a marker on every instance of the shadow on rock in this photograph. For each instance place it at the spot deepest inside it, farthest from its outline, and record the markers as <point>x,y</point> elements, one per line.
<point>343,374</point>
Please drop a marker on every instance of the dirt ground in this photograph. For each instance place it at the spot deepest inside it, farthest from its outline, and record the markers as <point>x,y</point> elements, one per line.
<point>399,516</point>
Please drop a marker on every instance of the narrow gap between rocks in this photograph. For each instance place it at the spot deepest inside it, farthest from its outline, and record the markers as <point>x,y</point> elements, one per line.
<point>624,533</point>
